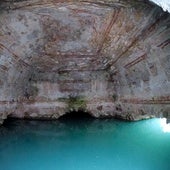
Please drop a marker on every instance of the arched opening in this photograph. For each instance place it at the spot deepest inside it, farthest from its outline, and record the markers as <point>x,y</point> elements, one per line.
<point>76,115</point>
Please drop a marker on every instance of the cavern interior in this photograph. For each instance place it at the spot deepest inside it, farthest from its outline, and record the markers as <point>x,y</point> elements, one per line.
<point>103,63</point>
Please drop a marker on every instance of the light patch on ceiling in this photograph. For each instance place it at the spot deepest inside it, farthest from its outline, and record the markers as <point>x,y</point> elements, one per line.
<point>165,4</point>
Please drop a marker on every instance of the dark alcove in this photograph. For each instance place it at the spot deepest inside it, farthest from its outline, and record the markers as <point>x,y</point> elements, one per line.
<point>79,115</point>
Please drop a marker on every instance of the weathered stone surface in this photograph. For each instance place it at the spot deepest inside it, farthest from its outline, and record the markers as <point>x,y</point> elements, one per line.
<point>109,58</point>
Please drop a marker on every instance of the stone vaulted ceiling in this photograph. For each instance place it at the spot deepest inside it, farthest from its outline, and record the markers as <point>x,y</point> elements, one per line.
<point>112,55</point>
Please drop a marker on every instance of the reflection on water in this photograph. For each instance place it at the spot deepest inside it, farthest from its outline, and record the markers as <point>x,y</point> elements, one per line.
<point>84,144</point>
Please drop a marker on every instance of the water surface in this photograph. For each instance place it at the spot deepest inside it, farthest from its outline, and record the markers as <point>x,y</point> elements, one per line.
<point>87,144</point>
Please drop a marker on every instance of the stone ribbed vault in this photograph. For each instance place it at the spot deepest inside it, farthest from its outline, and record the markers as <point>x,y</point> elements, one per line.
<point>109,58</point>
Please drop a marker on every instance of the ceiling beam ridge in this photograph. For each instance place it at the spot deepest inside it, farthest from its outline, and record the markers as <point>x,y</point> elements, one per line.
<point>135,61</point>
<point>105,3</point>
<point>142,34</point>
<point>16,57</point>
<point>108,29</point>
<point>25,4</point>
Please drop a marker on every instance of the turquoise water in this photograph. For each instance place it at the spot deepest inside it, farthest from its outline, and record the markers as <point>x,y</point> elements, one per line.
<point>87,144</point>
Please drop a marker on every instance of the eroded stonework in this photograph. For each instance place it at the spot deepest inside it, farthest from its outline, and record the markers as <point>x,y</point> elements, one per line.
<point>109,58</point>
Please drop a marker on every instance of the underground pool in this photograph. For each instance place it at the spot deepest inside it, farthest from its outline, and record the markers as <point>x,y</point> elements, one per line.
<point>84,144</point>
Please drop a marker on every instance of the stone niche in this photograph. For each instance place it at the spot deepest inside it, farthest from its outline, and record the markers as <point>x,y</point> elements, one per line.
<point>107,58</point>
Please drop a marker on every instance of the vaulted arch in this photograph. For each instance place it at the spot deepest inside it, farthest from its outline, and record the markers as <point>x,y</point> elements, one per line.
<point>109,57</point>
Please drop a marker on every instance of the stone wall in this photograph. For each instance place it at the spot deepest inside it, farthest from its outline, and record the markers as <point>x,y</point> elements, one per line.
<point>109,58</point>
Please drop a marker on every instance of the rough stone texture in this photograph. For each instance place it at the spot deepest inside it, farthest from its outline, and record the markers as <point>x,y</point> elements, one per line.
<point>109,58</point>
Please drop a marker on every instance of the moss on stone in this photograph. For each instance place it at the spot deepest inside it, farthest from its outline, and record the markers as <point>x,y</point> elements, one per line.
<point>76,103</point>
